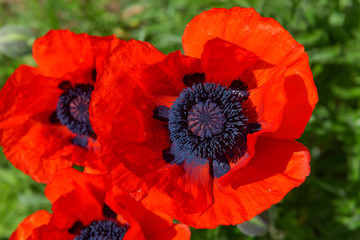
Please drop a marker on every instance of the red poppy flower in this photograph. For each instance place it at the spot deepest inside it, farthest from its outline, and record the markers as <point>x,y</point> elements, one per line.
<point>83,206</point>
<point>211,133</point>
<point>44,123</point>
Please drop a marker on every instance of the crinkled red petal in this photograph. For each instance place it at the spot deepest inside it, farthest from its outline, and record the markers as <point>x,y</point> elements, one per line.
<point>277,167</point>
<point>224,62</point>
<point>68,180</point>
<point>150,224</point>
<point>46,232</point>
<point>165,78</point>
<point>62,51</point>
<point>77,205</point>
<point>26,227</point>
<point>117,76</point>
<point>243,27</point>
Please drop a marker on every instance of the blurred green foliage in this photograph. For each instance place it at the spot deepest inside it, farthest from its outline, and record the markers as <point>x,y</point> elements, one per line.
<point>327,205</point>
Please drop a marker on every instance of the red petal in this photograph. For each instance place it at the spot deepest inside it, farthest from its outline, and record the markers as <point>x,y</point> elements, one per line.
<point>69,179</point>
<point>165,78</point>
<point>152,224</point>
<point>111,89</point>
<point>224,62</point>
<point>51,232</point>
<point>243,27</point>
<point>37,150</point>
<point>178,232</point>
<point>277,167</point>
<point>77,205</point>
<point>285,102</point>
<point>104,45</point>
<point>26,227</point>
<point>62,51</point>
<point>191,188</point>
<point>301,98</point>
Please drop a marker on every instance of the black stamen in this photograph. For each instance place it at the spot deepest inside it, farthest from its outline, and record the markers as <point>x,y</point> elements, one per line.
<point>238,85</point>
<point>102,230</point>
<point>93,74</point>
<point>108,213</point>
<point>194,78</point>
<point>76,228</point>
<point>220,166</point>
<point>81,141</point>
<point>161,113</point>
<point>73,109</point>
<point>53,118</point>
<point>65,85</point>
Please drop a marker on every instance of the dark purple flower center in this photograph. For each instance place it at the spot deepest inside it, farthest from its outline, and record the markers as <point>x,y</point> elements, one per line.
<point>209,122</point>
<point>102,230</point>
<point>73,108</point>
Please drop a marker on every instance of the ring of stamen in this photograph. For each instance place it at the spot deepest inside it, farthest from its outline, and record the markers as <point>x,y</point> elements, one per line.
<point>102,230</point>
<point>73,109</point>
<point>207,121</point>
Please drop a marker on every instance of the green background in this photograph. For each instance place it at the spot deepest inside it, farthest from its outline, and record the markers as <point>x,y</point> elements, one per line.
<point>327,205</point>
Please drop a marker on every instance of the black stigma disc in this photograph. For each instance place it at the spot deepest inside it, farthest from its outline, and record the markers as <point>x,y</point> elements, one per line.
<point>73,109</point>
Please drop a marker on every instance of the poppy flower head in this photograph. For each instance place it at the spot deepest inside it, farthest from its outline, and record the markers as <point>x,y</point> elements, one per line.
<point>44,110</point>
<point>211,133</point>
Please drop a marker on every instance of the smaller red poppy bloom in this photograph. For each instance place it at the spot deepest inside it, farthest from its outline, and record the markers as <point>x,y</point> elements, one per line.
<point>211,133</point>
<point>84,206</point>
<point>44,119</point>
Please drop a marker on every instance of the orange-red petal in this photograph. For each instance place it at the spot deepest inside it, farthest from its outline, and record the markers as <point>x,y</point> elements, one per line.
<point>277,167</point>
<point>62,51</point>
<point>26,227</point>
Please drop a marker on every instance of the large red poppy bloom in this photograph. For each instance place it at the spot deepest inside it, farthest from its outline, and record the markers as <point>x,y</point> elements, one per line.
<point>83,206</point>
<point>210,133</point>
<point>44,123</point>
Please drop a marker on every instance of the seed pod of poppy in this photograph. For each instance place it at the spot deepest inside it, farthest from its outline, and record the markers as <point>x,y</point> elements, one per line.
<point>16,41</point>
<point>258,226</point>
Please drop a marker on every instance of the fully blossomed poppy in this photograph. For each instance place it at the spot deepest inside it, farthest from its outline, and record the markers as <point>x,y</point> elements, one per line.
<point>44,119</point>
<point>85,208</point>
<point>210,133</point>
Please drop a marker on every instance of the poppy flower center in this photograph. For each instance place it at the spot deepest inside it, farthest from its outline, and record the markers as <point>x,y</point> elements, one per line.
<point>102,230</point>
<point>209,121</point>
<point>73,109</point>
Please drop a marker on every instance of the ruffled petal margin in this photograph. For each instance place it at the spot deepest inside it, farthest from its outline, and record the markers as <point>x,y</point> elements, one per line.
<point>277,167</point>
<point>26,227</point>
